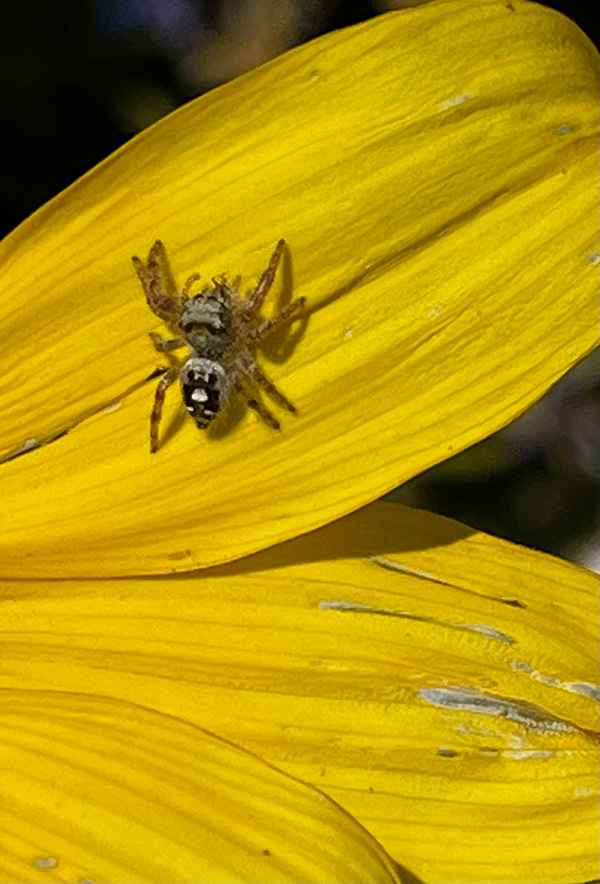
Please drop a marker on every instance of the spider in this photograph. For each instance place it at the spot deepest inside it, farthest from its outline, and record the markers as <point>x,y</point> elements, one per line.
<point>220,330</point>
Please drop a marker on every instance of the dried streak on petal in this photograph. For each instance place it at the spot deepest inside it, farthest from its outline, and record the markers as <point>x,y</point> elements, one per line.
<point>434,173</point>
<point>100,790</point>
<point>439,684</point>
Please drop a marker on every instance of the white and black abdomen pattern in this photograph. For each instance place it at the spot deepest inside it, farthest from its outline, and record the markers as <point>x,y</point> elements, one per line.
<point>205,388</point>
<point>206,324</point>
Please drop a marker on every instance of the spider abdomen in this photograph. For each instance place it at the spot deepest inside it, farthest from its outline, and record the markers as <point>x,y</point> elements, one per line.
<point>206,323</point>
<point>205,387</point>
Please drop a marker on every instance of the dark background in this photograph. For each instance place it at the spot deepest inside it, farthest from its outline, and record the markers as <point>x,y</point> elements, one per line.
<point>80,77</point>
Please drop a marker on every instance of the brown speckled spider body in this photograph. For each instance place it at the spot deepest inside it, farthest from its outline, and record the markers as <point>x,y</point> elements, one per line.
<point>220,330</point>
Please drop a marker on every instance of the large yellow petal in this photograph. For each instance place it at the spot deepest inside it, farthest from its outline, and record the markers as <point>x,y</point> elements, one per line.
<point>99,790</point>
<point>434,173</point>
<point>438,683</point>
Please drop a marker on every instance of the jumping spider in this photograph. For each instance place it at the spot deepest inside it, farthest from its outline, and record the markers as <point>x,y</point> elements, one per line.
<point>220,330</point>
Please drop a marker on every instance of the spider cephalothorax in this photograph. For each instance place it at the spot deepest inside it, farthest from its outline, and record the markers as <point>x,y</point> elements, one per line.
<point>220,330</point>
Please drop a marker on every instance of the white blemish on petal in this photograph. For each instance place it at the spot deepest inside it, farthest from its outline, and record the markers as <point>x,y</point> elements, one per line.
<point>28,445</point>
<point>331,667</point>
<point>566,129</point>
<point>465,700</point>
<point>490,631</point>
<point>348,332</point>
<point>575,687</point>
<point>357,608</point>
<point>584,791</point>
<point>527,754</point>
<point>352,606</point>
<point>114,406</point>
<point>458,99</point>
<point>44,862</point>
<point>478,732</point>
<point>403,569</point>
<point>594,258</point>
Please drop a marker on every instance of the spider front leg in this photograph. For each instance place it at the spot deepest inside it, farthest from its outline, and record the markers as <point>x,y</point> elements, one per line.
<point>266,281</point>
<point>159,286</point>
<point>157,282</point>
<point>165,382</point>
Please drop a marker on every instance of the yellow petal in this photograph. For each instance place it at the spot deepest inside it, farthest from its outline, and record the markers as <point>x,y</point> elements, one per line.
<point>98,790</point>
<point>434,173</point>
<point>438,683</point>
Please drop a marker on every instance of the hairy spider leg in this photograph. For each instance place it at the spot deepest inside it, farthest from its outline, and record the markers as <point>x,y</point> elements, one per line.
<point>263,330</point>
<point>151,278</point>
<point>165,382</point>
<point>254,372</point>
<point>159,286</point>
<point>257,297</point>
<point>256,404</point>
<point>161,290</point>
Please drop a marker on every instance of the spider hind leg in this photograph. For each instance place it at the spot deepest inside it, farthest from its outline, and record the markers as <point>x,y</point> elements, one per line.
<point>254,372</point>
<point>165,382</point>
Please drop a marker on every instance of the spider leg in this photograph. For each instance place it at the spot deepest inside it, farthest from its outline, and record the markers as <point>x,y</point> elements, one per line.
<point>164,345</point>
<point>256,404</point>
<point>264,412</point>
<point>159,287</point>
<point>288,313</point>
<point>266,281</point>
<point>254,372</point>
<point>159,397</point>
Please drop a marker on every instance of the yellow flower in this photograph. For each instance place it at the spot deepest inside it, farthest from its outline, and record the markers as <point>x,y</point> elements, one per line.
<point>392,684</point>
